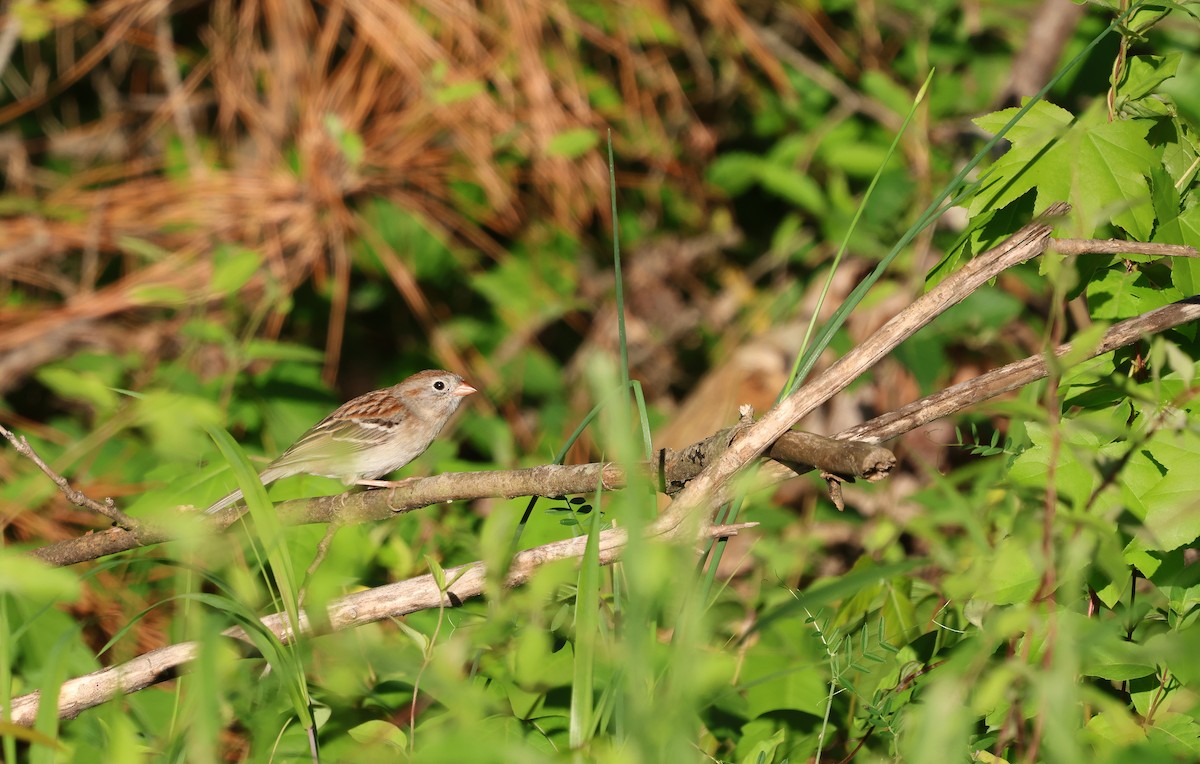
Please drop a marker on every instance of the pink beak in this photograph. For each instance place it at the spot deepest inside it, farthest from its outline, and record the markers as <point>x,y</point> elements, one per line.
<point>463,390</point>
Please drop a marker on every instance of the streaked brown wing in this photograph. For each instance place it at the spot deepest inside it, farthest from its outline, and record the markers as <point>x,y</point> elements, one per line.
<point>359,425</point>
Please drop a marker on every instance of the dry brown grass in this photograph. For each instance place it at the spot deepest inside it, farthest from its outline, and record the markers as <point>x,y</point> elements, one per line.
<point>219,124</point>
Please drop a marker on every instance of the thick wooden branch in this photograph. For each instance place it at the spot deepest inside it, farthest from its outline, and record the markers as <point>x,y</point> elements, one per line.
<point>672,469</point>
<point>389,601</point>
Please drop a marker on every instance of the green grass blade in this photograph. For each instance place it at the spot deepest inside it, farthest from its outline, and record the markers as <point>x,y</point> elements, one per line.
<point>54,673</point>
<point>274,542</point>
<point>618,285</point>
<point>587,615</point>
<point>841,251</point>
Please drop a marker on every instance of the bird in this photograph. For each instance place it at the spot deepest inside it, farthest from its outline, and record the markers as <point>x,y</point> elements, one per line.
<point>371,435</point>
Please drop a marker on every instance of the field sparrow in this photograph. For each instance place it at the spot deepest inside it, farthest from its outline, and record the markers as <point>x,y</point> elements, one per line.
<point>372,435</point>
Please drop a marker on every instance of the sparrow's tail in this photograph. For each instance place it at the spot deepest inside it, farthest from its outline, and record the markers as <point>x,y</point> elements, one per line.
<point>228,501</point>
<point>267,476</point>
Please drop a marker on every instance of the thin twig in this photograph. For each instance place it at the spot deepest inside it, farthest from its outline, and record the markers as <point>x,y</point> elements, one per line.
<point>106,508</point>
<point>1119,247</point>
<point>318,558</point>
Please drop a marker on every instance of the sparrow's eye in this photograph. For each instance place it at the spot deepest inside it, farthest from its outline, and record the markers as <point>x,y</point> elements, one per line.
<point>439,385</point>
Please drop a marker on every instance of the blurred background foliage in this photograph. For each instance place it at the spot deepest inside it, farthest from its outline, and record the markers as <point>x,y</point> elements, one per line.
<point>239,214</point>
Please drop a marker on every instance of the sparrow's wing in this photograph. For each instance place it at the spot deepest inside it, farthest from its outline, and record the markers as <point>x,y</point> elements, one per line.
<point>334,445</point>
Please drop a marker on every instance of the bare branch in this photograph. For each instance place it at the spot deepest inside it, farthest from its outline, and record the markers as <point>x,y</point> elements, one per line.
<point>672,469</point>
<point>388,601</point>
<point>1119,247</point>
<point>106,508</point>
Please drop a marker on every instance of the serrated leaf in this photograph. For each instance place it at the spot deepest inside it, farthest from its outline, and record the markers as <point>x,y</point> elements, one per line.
<point>1143,74</point>
<point>1183,229</point>
<point>1012,575</point>
<point>1100,168</point>
<point>1180,733</point>
<point>1040,125</point>
<point>1120,294</point>
<point>1173,517</point>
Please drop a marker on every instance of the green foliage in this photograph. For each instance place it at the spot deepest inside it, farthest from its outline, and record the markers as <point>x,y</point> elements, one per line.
<point>1034,599</point>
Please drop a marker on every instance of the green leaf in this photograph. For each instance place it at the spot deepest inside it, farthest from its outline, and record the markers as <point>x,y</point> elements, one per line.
<point>1099,167</point>
<point>377,732</point>
<point>572,144</point>
<point>535,665</point>
<point>459,91</point>
<point>1075,479</point>
<point>882,86</point>
<point>529,290</point>
<point>764,751</point>
<point>1179,733</point>
<point>73,385</point>
<point>175,421</point>
<point>269,350</point>
<point>439,575</point>
<point>1183,228</point>
<point>735,172</point>
<point>792,185</point>
<point>232,268</point>
<point>1143,74</point>
<point>158,294</point>
<point>1173,517</point>
<point>1117,660</point>
<point>1120,293</point>
<point>348,141</point>
<point>270,535</point>
<point>899,614</point>
<point>587,625</point>
<point>25,577</point>
<point>824,592</point>
<point>148,250</point>
<point>1010,575</point>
